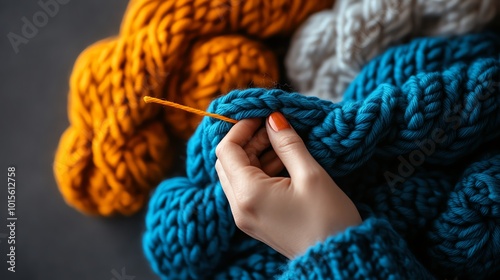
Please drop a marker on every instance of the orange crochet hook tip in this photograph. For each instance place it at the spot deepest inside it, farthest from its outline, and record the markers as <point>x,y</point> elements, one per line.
<point>149,99</point>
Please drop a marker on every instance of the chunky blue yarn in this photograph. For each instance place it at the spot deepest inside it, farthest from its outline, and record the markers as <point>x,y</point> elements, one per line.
<point>444,218</point>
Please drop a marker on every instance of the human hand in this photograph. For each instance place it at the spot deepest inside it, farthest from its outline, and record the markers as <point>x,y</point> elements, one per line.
<point>289,214</point>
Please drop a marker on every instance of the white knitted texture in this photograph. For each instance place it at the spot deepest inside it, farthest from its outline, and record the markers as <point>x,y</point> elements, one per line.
<point>330,48</point>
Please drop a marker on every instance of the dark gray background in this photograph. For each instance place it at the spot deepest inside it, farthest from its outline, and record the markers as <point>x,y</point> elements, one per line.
<point>53,240</point>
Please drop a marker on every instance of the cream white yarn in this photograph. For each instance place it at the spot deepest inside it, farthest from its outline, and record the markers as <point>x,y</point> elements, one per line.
<point>332,46</point>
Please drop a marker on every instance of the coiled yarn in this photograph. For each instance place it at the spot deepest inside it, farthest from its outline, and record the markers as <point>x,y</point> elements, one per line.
<point>332,46</point>
<point>446,209</point>
<point>190,51</point>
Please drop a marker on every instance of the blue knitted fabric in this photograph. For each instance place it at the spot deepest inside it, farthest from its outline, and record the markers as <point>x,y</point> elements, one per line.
<point>414,147</point>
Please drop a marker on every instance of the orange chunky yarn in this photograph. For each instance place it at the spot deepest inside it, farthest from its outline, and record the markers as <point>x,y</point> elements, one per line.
<point>216,66</point>
<point>188,51</point>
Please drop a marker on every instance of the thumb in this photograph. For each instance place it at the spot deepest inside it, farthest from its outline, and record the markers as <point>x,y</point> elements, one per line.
<point>289,146</point>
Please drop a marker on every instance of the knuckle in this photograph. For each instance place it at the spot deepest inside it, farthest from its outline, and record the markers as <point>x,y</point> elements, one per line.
<point>243,223</point>
<point>244,210</point>
<point>219,150</point>
<point>311,175</point>
<point>247,204</point>
<point>289,143</point>
<point>262,138</point>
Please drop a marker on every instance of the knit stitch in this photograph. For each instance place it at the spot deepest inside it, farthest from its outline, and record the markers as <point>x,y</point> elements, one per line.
<point>443,216</point>
<point>370,251</point>
<point>189,51</point>
<point>332,46</point>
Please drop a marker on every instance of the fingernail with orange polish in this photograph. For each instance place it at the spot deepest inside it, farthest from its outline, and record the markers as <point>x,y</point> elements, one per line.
<point>278,122</point>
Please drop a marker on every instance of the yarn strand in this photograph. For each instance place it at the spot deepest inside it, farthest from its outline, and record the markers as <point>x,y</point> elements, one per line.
<point>149,99</point>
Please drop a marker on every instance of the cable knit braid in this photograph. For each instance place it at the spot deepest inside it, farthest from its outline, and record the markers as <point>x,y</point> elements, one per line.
<point>465,237</point>
<point>475,258</point>
<point>190,51</point>
<point>332,46</point>
<point>409,207</point>
<point>190,232</point>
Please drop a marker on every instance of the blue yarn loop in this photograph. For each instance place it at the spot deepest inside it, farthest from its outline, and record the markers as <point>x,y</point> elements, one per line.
<point>466,235</point>
<point>434,105</point>
<point>398,64</point>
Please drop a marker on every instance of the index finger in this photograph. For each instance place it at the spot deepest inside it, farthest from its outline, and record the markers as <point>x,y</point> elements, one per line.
<point>241,132</point>
<point>230,150</point>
